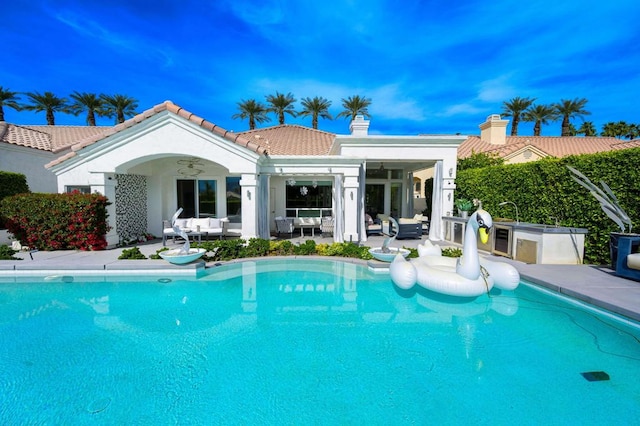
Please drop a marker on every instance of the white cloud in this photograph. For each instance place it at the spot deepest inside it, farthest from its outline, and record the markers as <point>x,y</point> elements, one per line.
<point>389,102</point>
<point>461,109</point>
<point>118,41</point>
<point>496,90</point>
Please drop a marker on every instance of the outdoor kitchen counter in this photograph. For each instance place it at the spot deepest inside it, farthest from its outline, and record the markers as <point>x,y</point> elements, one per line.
<point>526,242</point>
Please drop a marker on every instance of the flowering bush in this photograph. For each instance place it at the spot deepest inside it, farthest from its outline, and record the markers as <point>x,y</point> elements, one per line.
<point>57,221</point>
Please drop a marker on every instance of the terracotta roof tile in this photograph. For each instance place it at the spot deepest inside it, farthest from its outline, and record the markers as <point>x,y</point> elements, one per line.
<point>552,146</point>
<point>47,138</point>
<point>79,143</point>
<point>291,139</point>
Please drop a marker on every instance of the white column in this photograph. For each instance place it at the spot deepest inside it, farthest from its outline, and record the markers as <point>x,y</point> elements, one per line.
<point>105,184</point>
<point>250,213</point>
<point>351,189</point>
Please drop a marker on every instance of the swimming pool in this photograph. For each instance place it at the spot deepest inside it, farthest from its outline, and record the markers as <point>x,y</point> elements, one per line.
<point>299,342</point>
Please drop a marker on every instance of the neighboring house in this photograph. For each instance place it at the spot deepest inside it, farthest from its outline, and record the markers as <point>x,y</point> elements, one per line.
<point>167,158</point>
<point>26,150</point>
<point>493,139</point>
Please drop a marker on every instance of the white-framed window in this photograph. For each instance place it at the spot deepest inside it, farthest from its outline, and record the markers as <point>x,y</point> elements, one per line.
<point>82,189</point>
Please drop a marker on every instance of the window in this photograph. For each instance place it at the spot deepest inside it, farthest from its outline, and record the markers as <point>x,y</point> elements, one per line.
<point>234,199</point>
<point>83,189</point>
<point>207,198</point>
<point>204,191</point>
<point>304,199</point>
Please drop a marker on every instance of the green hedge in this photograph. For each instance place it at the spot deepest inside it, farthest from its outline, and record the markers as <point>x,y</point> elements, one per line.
<point>57,221</point>
<point>11,184</point>
<point>544,190</point>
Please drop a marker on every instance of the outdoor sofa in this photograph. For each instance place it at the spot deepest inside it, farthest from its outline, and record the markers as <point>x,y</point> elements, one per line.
<point>202,227</point>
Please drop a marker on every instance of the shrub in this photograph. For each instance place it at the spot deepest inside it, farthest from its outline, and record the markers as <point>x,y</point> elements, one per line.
<point>256,247</point>
<point>11,184</point>
<point>57,221</point>
<point>306,249</point>
<point>281,248</point>
<point>6,253</point>
<point>451,252</point>
<point>132,253</point>
<point>222,249</point>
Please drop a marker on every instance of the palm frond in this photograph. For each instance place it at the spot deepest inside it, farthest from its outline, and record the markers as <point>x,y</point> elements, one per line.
<point>607,199</point>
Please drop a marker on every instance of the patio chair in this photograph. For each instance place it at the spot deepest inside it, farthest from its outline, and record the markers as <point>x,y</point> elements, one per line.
<point>326,225</point>
<point>372,226</point>
<point>284,225</point>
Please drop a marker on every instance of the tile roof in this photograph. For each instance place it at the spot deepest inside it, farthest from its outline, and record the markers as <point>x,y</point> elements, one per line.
<point>553,146</point>
<point>165,106</point>
<point>291,139</point>
<point>47,138</point>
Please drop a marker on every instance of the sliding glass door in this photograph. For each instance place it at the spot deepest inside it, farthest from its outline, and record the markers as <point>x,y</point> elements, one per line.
<point>197,197</point>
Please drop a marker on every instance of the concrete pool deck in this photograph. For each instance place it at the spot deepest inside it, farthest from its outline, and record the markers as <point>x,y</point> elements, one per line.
<point>596,285</point>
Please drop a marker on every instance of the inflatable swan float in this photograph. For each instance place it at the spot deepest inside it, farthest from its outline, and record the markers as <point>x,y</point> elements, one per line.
<point>467,276</point>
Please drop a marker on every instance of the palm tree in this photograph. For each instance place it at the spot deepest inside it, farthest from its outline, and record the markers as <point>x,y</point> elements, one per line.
<point>281,104</point>
<point>49,103</point>
<point>539,115</point>
<point>355,105</point>
<point>89,102</point>
<point>615,129</point>
<point>633,131</point>
<point>316,107</point>
<point>514,108</point>
<point>569,109</point>
<point>8,99</point>
<point>587,129</point>
<point>119,106</point>
<point>253,110</point>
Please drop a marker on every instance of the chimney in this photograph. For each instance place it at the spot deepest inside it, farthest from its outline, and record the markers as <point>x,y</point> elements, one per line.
<point>359,126</point>
<point>494,130</point>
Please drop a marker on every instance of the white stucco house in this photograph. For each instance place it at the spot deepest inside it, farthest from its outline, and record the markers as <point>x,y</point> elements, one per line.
<point>167,157</point>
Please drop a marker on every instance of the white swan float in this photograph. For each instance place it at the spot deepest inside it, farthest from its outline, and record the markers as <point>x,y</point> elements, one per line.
<point>467,276</point>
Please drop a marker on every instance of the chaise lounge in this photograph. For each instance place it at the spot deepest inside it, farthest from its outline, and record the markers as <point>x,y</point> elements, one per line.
<point>628,261</point>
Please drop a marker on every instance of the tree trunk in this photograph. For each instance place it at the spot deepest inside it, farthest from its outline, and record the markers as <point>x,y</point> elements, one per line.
<point>91,118</point>
<point>514,125</point>
<point>50,119</point>
<point>565,127</point>
<point>536,128</point>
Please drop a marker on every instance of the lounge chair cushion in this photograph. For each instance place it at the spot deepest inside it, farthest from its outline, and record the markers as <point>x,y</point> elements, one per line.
<point>633,261</point>
<point>404,220</point>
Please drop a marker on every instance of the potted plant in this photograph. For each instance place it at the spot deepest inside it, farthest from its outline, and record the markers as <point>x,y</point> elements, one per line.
<point>464,206</point>
<point>611,207</point>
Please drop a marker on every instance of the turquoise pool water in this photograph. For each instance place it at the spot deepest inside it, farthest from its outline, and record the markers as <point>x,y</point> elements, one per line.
<point>305,342</point>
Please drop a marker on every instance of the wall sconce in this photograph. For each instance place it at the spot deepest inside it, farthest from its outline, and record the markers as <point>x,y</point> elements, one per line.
<point>451,172</point>
<point>351,195</point>
<point>449,196</point>
<point>248,194</point>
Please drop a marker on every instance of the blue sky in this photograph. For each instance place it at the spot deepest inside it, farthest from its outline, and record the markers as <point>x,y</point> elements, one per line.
<point>430,67</point>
